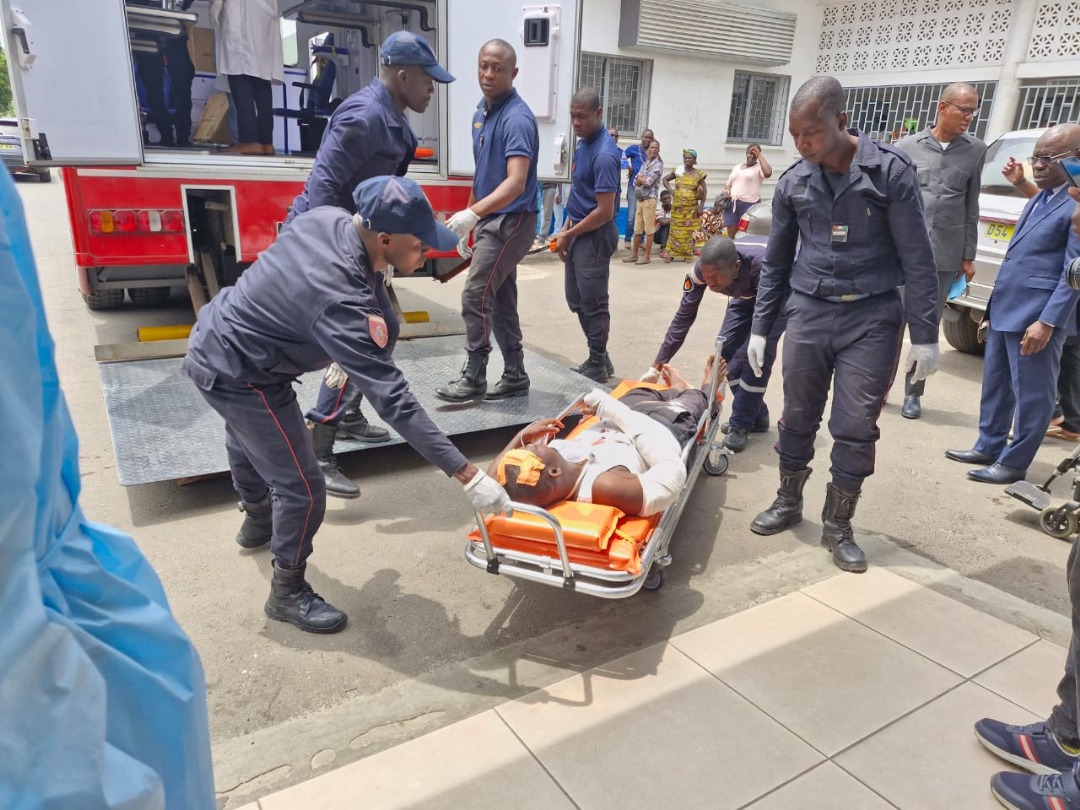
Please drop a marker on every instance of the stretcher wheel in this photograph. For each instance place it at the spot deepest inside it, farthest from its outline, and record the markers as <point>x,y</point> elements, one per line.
<point>654,580</point>
<point>718,467</point>
<point>1058,522</point>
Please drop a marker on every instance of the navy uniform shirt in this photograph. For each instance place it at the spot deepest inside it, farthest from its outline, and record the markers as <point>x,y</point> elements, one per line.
<point>596,170</point>
<point>862,234</point>
<point>636,157</point>
<point>366,137</point>
<point>308,299</point>
<point>505,129</point>
<point>743,287</point>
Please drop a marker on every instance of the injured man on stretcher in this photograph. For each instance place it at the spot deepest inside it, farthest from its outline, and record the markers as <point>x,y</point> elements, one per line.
<point>630,458</point>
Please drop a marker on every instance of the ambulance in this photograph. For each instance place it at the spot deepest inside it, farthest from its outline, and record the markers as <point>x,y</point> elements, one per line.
<point>147,218</point>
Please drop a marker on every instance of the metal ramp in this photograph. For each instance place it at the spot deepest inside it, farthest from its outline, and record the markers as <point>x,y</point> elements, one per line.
<point>163,430</point>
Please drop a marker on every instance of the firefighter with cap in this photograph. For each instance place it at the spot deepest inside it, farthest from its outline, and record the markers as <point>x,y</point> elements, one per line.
<point>309,299</point>
<point>848,233</point>
<point>367,136</point>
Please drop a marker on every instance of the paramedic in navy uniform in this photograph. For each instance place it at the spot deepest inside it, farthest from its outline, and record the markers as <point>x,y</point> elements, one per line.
<point>367,136</point>
<point>502,209</point>
<point>309,299</point>
<point>590,236</point>
<point>855,205</point>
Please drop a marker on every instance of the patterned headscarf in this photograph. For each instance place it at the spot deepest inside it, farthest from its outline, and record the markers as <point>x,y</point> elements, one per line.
<point>691,152</point>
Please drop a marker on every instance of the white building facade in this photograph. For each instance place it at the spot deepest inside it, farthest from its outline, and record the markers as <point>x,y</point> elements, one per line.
<point>717,76</point>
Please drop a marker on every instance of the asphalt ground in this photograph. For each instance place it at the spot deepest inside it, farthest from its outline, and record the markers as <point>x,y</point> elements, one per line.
<point>430,638</point>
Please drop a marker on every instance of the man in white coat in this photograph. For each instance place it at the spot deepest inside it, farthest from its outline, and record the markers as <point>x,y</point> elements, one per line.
<point>247,37</point>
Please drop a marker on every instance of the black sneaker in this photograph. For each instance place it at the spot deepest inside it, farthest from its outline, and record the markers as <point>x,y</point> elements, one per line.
<point>761,425</point>
<point>736,439</point>
<point>1033,748</point>
<point>1019,791</point>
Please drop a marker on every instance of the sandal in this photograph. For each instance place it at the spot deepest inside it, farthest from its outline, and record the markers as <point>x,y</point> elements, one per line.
<point>646,260</point>
<point>630,260</point>
<point>668,260</point>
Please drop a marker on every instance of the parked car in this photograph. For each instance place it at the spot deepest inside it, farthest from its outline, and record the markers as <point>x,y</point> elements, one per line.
<point>1000,205</point>
<point>12,154</point>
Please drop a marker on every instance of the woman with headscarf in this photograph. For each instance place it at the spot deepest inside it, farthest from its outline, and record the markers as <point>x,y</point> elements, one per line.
<point>688,200</point>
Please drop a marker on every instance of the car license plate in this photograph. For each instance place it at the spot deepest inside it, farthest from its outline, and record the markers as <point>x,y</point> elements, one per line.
<point>999,231</point>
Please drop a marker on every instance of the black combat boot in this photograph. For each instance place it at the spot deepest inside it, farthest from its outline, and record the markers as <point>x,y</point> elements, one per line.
<point>354,425</point>
<point>337,485</point>
<point>836,532</point>
<point>786,510</point>
<point>294,601</point>
<point>472,384</point>
<point>597,368</point>
<point>258,525</point>
<point>514,381</point>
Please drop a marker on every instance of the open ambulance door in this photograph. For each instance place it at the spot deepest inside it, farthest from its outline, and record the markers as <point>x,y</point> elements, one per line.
<point>547,39</point>
<point>71,77</point>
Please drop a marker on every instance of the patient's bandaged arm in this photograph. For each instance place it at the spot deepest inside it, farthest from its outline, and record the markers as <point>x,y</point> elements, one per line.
<point>662,482</point>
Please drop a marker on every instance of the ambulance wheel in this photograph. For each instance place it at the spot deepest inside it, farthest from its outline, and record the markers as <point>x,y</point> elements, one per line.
<point>654,580</point>
<point>104,299</point>
<point>149,296</point>
<point>719,467</point>
<point>1059,523</point>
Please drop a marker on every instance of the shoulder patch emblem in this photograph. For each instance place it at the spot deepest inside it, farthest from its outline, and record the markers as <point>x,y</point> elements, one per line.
<point>688,284</point>
<point>379,333</point>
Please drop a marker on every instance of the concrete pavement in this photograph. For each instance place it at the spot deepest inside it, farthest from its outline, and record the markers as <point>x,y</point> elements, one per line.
<point>855,691</point>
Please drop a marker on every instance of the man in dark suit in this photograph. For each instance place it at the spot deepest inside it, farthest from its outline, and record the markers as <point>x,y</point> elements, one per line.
<point>1031,312</point>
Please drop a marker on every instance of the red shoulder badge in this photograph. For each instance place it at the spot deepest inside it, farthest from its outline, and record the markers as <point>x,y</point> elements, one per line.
<point>688,284</point>
<point>379,333</point>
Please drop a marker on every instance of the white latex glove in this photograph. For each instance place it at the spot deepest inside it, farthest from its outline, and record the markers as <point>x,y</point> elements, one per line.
<point>463,249</point>
<point>463,222</point>
<point>487,495</point>
<point>388,275</point>
<point>650,376</point>
<point>336,376</point>
<point>923,360</point>
<point>755,353</point>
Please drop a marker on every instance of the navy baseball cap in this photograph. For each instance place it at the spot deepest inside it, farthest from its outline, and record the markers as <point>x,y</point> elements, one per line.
<point>406,48</point>
<point>397,205</point>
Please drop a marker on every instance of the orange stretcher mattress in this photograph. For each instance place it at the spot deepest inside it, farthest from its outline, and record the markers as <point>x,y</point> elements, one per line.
<point>595,535</point>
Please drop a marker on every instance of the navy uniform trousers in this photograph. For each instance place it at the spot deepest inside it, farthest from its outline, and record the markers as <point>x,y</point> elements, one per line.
<point>855,347</point>
<point>588,268</point>
<point>747,389</point>
<point>1020,389</point>
<point>489,299</point>
<point>1064,719</point>
<point>332,403</point>
<point>269,445</point>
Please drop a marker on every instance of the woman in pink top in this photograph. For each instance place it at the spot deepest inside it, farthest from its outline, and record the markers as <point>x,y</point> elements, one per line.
<point>744,187</point>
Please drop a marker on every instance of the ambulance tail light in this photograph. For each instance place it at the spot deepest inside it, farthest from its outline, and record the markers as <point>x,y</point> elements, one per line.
<point>744,223</point>
<point>172,221</point>
<point>123,221</point>
<point>126,221</point>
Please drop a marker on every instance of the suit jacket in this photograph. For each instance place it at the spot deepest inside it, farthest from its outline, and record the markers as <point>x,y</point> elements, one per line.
<point>1031,284</point>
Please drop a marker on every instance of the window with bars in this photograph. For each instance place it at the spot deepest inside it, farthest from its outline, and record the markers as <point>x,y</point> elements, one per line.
<point>1047,102</point>
<point>623,85</point>
<point>758,107</point>
<point>889,112</point>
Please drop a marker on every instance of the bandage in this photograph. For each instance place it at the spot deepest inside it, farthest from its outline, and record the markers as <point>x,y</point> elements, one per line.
<point>666,476</point>
<point>529,467</point>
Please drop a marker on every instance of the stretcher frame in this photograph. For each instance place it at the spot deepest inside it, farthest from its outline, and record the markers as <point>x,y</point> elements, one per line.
<point>703,452</point>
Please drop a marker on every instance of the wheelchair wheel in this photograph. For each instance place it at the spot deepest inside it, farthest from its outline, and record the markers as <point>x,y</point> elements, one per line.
<point>1059,522</point>
<point>719,466</point>
<point>654,580</point>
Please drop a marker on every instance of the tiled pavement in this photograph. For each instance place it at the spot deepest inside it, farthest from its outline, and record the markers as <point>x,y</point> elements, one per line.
<point>853,692</point>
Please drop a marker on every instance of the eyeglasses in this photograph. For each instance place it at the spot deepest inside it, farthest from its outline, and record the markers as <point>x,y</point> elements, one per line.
<point>967,112</point>
<point>1036,159</point>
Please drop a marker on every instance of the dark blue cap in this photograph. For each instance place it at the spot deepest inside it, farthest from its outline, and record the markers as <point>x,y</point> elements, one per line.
<point>397,205</point>
<point>406,48</point>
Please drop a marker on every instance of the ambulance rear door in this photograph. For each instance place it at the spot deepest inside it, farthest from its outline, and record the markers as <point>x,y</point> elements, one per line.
<point>546,37</point>
<point>70,68</point>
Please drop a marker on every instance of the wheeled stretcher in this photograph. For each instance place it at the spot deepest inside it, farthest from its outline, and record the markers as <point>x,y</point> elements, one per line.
<point>593,548</point>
